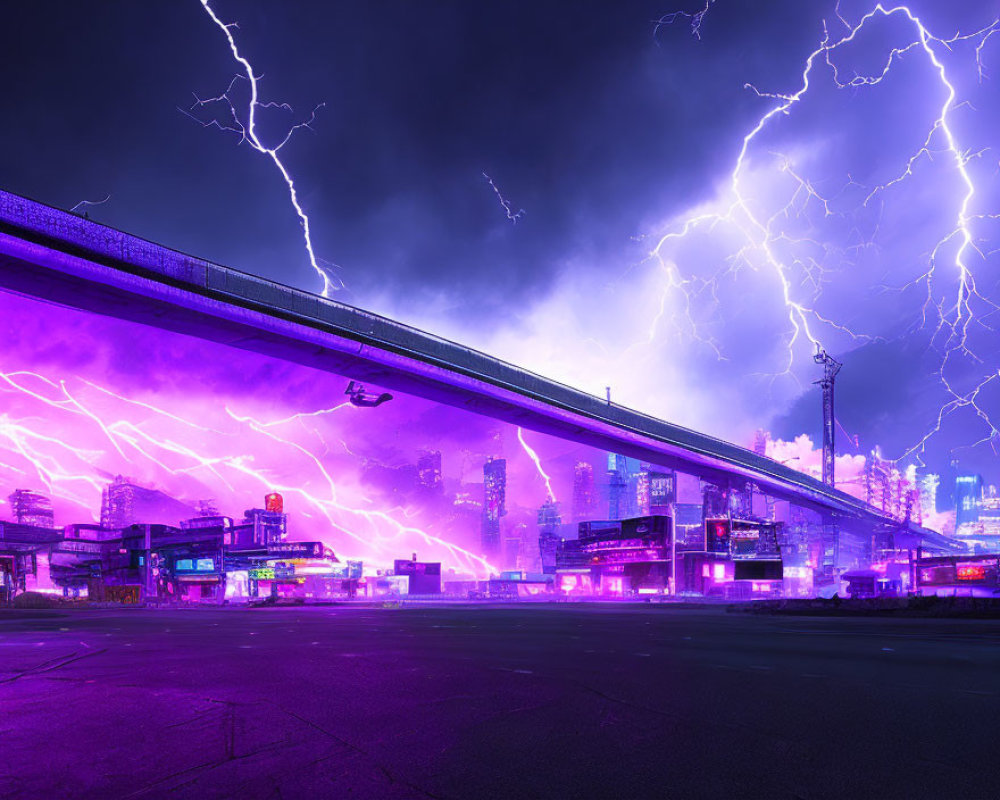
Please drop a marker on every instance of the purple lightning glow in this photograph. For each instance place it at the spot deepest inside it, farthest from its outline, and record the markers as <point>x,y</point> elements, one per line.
<point>175,446</point>
<point>198,420</point>
<point>765,242</point>
<point>248,133</point>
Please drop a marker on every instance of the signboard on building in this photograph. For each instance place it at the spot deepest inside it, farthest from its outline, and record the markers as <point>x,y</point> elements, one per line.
<point>296,549</point>
<point>661,491</point>
<point>262,574</point>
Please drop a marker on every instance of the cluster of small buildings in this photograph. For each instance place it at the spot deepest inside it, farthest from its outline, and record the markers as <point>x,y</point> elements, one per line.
<point>206,558</point>
<point>659,539</point>
<point>738,544</point>
<point>733,559</point>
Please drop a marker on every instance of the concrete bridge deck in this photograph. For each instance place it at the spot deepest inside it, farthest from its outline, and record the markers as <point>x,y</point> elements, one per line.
<point>63,258</point>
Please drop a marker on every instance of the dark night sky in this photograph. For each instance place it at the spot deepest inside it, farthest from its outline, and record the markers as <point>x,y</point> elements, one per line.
<point>603,133</point>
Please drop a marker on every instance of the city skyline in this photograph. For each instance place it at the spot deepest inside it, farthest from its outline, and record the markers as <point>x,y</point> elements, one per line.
<point>500,400</point>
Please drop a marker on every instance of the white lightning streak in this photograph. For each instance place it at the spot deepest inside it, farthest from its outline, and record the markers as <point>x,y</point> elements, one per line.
<point>504,202</point>
<point>761,235</point>
<point>248,132</point>
<point>538,464</point>
<point>83,203</point>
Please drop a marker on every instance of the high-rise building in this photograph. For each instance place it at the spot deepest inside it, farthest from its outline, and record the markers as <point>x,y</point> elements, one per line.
<point>494,504</point>
<point>968,499</point>
<point>989,514</point>
<point>888,489</point>
<point>549,524</point>
<point>760,440</point>
<point>928,494</point>
<point>429,470</point>
<point>31,508</point>
<point>584,492</point>
<point>125,503</point>
<point>618,501</point>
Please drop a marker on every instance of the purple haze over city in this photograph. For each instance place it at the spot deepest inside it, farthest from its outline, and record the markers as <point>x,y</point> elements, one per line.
<point>607,200</point>
<point>86,398</point>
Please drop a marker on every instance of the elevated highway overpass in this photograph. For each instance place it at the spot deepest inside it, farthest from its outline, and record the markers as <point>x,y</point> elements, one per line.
<point>62,258</point>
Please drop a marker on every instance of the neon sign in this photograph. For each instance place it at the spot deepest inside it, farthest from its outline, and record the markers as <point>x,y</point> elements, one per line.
<point>971,572</point>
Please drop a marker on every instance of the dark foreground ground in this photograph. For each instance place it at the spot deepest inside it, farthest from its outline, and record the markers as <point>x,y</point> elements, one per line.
<point>495,702</point>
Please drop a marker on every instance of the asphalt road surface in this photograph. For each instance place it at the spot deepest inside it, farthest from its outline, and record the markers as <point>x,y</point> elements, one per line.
<point>507,702</point>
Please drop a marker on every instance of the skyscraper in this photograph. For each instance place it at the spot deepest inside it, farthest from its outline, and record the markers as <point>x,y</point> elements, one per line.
<point>494,504</point>
<point>618,502</point>
<point>31,508</point>
<point>584,492</point>
<point>968,499</point>
<point>928,493</point>
<point>549,523</point>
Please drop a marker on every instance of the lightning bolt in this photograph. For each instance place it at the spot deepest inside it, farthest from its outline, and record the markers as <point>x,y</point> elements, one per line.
<point>504,203</point>
<point>86,203</point>
<point>247,132</point>
<point>799,265</point>
<point>374,519</point>
<point>696,18</point>
<point>538,464</point>
<point>176,446</point>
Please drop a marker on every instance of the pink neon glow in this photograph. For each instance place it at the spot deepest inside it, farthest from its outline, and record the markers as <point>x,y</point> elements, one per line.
<point>202,421</point>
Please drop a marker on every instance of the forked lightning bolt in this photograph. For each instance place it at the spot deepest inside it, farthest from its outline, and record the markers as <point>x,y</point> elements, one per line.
<point>765,242</point>
<point>171,445</point>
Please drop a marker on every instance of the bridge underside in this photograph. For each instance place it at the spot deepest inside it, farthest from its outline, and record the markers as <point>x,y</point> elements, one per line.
<point>60,258</point>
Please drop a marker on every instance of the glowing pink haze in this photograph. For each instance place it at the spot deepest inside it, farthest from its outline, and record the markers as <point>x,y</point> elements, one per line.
<point>85,398</point>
